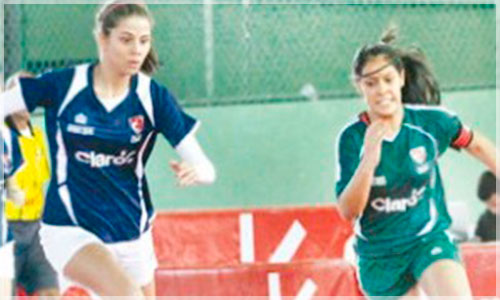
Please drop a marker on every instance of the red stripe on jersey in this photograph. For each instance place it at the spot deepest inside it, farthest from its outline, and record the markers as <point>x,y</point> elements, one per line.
<point>463,139</point>
<point>363,117</point>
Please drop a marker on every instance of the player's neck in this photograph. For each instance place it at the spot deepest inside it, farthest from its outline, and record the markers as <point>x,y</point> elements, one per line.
<point>394,121</point>
<point>109,84</point>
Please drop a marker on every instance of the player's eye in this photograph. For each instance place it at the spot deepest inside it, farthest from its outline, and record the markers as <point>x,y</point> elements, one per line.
<point>125,39</point>
<point>370,83</point>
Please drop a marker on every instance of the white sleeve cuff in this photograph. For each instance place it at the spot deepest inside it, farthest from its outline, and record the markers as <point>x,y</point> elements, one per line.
<point>190,151</point>
<point>12,101</point>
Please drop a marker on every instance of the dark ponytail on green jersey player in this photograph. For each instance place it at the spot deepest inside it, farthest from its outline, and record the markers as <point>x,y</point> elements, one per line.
<point>421,86</point>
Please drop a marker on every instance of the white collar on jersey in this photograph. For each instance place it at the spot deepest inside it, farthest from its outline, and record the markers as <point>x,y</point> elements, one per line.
<point>111,103</point>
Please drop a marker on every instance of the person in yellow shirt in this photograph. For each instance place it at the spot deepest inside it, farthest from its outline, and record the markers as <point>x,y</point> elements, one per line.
<point>33,272</point>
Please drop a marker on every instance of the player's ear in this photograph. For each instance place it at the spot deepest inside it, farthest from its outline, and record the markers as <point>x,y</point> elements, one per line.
<point>355,81</point>
<point>100,39</point>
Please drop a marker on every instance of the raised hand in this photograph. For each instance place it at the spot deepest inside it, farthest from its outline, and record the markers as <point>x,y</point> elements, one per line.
<point>186,174</point>
<point>373,143</point>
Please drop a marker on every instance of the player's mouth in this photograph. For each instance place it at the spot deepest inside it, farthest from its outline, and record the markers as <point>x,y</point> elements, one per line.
<point>384,102</point>
<point>134,63</point>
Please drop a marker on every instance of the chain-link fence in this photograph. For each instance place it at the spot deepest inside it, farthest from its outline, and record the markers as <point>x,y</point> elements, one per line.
<point>254,52</point>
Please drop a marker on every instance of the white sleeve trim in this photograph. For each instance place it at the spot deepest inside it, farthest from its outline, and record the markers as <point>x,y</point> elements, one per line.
<point>12,101</point>
<point>190,151</point>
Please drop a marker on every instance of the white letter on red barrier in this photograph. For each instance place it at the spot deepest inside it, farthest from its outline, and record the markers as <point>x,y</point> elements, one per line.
<point>307,290</point>
<point>247,252</point>
<point>290,244</point>
<point>274,286</point>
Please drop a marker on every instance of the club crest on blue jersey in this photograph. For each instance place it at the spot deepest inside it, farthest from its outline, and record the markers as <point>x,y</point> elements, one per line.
<point>136,123</point>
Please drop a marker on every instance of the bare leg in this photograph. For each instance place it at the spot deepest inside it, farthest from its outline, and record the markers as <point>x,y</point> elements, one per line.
<point>412,294</point>
<point>149,290</point>
<point>96,268</point>
<point>49,294</point>
<point>446,278</point>
<point>5,288</point>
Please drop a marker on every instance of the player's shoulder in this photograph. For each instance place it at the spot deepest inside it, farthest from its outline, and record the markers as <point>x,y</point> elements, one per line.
<point>147,85</point>
<point>428,112</point>
<point>355,127</point>
<point>58,74</point>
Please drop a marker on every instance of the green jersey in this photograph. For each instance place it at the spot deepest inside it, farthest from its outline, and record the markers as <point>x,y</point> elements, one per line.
<point>406,200</point>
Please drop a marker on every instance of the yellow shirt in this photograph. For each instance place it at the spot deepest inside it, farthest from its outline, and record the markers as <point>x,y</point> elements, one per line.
<point>31,178</point>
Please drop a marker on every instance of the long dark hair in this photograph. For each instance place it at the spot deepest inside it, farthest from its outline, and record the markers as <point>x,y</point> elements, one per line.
<point>421,86</point>
<point>108,17</point>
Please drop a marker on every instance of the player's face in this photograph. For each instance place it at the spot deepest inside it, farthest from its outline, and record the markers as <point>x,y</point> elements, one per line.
<point>128,44</point>
<point>382,86</point>
<point>22,116</point>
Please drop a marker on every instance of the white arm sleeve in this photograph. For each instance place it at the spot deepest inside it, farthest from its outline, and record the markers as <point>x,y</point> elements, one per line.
<point>11,101</point>
<point>190,151</point>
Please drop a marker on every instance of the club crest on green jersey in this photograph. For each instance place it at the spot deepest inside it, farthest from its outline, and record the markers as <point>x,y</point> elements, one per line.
<point>419,155</point>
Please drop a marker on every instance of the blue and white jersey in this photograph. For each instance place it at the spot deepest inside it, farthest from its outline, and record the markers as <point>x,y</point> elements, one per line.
<point>11,161</point>
<point>99,156</point>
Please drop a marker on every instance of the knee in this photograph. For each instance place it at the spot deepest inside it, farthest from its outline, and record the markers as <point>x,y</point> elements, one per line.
<point>96,268</point>
<point>118,284</point>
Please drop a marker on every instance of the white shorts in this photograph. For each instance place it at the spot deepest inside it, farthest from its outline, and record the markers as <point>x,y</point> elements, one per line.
<point>7,261</point>
<point>137,257</point>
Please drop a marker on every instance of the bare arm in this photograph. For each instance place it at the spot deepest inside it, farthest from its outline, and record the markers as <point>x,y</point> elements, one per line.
<point>484,150</point>
<point>354,198</point>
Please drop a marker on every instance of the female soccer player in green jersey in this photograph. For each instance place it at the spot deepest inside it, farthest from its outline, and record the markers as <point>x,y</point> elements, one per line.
<point>389,182</point>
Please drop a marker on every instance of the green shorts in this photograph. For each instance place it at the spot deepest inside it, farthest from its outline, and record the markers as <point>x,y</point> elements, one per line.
<point>393,276</point>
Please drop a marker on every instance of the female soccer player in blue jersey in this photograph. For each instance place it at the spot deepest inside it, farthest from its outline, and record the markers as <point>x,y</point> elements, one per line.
<point>389,181</point>
<point>102,121</point>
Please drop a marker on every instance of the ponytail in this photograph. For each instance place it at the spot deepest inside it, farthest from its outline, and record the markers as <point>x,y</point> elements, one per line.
<point>421,86</point>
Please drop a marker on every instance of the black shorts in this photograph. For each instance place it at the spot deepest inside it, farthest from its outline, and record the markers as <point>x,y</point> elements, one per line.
<point>33,270</point>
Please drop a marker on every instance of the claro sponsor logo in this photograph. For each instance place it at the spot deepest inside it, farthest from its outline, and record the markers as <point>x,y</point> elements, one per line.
<point>101,160</point>
<point>398,205</point>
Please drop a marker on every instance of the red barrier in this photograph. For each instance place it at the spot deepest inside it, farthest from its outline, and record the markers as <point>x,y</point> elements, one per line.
<point>481,261</point>
<point>326,232</point>
<point>196,239</point>
<point>200,254</point>
<point>321,278</point>
<point>209,239</point>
